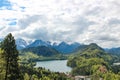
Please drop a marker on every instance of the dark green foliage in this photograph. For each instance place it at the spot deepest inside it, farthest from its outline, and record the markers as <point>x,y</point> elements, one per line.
<point>92,46</point>
<point>11,58</point>
<point>2,65</point>
<point>41,74</point>
<point>42,51</point>
<point>26,57</point>
<point>116,69</point>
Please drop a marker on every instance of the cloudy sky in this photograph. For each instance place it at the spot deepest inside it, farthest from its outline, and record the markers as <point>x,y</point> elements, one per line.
<point>83,21</point>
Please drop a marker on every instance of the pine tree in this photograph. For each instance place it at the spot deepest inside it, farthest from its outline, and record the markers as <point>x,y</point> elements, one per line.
<point>11,58</point>
<point>2,65</point>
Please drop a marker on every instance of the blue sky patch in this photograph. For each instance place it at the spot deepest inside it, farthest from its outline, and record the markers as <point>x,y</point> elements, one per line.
<point>12,23</point>
<point>6,4</point>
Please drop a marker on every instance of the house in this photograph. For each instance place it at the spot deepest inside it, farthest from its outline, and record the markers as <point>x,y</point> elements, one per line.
<point>82,78</point>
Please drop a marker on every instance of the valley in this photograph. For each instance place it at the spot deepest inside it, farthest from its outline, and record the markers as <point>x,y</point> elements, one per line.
<point>82,60</point>
<point>59,39</point>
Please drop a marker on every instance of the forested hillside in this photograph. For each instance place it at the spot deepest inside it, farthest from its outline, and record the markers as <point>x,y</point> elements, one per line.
<point>92,60</point>
<point>42,51</point>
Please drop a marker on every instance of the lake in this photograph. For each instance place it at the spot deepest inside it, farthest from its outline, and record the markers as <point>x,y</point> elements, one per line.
<point>54,65</point>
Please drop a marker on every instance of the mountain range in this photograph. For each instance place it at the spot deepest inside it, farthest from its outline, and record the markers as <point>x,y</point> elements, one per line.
<point>21,43</point>
<point>114,51</point>
<point>62,47</point>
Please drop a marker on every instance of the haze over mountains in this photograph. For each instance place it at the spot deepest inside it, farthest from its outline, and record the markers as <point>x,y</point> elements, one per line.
<point>115,51</point>
<point>61,47</point>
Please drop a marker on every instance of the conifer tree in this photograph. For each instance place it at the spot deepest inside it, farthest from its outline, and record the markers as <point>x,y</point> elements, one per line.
<point>11,58</point>
<point>2,65</point>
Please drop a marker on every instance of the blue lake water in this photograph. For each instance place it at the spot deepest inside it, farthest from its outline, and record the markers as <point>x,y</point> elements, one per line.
<point>54,65</point>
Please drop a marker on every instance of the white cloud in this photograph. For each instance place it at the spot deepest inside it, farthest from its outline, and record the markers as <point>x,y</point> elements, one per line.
<point>84,21</point>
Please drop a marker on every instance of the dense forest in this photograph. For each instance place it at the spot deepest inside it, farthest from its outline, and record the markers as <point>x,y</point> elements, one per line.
<point>93,61</point>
